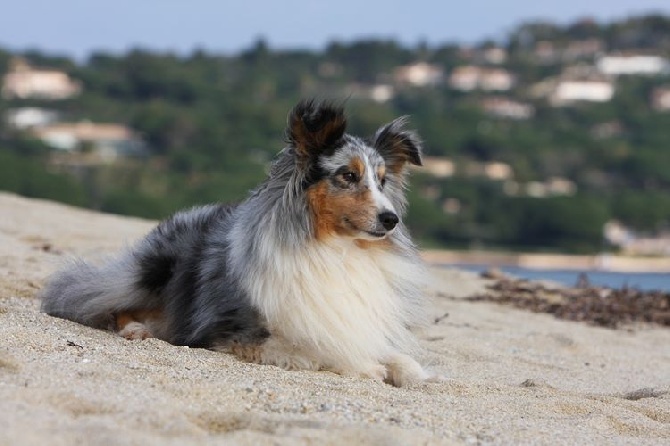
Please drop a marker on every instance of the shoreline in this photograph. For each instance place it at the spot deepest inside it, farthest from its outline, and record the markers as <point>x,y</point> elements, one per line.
<point>602,262</point>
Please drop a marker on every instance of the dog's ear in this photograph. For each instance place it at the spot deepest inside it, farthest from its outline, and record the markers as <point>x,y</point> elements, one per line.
<point>398,146</point>
<point>314,128</point>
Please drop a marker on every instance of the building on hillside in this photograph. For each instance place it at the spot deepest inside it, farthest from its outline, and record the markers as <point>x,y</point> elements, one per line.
<point>494,55</point>
<point>490,55</point>
<point>438,166</point>
<point>615,233</point>
<point>496,79</point>
<point>660,99</point>
<point>493,170</point>
<point>497,171</point>
<point>30,117</point>
<point>568,91</point>
<point>559,186</point>
<point>378,92</point>
<point>503,107</point>
<point>632,64</point>
<point>536,189</point>
<point>26,82</point>
<point>553,187</point>
<point>632,243</point>
<point>419,74</point>
<point>580,83</point>
<point>471,77</point>
<point>465,78</point>
<point>105,142</point>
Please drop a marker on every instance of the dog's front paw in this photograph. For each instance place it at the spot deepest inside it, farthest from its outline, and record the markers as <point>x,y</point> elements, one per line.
<point>377,372</point>
<point>403,370</point>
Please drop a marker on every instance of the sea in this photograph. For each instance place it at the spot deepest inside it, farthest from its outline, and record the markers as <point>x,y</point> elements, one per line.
<point>640,281</point>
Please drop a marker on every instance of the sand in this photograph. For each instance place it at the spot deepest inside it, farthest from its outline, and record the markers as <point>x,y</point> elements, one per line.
<point>513,377</point>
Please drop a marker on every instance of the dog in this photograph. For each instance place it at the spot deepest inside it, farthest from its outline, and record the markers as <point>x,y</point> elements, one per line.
<point>314,270</point>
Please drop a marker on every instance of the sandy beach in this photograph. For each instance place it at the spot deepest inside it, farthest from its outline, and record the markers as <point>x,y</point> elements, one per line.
<point>513,377</point>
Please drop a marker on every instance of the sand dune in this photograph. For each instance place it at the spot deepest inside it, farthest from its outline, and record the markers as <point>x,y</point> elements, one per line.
<point>513,377</point>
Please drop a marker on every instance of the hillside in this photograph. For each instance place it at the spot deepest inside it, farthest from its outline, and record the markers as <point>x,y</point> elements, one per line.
<point>539,139</point>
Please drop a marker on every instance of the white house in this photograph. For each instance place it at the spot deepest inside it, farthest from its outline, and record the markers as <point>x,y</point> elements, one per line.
<point>617,234</point>
<point>660,99</point>
<point>496,80</point>
<point>632,63</point>
<point>560,186</point>
<point>465,78</point>
<point>23,81</point>
<point>494,55</point>
<point>419,74</point>
<point>378,92</point>
<point>108,141</point>
<point>576,83</point>
<point>632,243</point>
<point>438,166</point>
<point>573,90</point>
<point>470,77</point>
<point>29,117</point>
<point>498,171</point>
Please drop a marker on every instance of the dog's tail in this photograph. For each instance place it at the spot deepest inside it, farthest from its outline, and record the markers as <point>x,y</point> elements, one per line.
<point>90,294</point>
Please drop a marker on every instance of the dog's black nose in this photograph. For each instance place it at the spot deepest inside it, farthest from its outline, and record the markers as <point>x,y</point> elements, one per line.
<point>388,220</point>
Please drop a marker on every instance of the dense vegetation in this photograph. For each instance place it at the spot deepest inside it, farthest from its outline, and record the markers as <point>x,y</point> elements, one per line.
<point>213,122</point>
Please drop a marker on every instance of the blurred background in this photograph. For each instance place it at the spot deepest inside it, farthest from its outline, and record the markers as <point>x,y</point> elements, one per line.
<point>546,126</point>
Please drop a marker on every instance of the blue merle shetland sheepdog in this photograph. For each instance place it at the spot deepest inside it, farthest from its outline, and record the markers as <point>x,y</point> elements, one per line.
<point>313,271</point>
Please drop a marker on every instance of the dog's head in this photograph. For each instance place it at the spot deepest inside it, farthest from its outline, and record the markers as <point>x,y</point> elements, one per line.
<point>354,187</point>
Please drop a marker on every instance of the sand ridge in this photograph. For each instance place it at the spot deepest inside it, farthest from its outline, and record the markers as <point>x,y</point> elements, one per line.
<point>514,377</point>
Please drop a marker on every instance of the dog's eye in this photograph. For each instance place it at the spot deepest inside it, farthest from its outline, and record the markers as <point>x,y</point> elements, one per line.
<point>382,182</point>
<point>350,177</point>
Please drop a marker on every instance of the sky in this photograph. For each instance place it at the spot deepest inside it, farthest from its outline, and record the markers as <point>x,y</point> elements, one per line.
<point>78,27</point>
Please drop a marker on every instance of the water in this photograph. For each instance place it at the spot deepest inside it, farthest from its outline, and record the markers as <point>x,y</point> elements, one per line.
<point>641,281</point>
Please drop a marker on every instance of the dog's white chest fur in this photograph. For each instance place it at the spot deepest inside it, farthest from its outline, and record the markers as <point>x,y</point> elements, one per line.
<point>338,301</point>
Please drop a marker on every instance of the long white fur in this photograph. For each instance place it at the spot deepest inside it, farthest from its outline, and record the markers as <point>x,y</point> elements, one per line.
<point>334,301</point>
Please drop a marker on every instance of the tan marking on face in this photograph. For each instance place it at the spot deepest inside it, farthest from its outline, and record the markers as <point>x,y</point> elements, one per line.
<point>340,211</point>
<point>357,166</point>
<point>381,172</point>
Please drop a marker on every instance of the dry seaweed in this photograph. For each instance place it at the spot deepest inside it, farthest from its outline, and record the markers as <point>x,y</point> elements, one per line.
<point>606,307</point>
